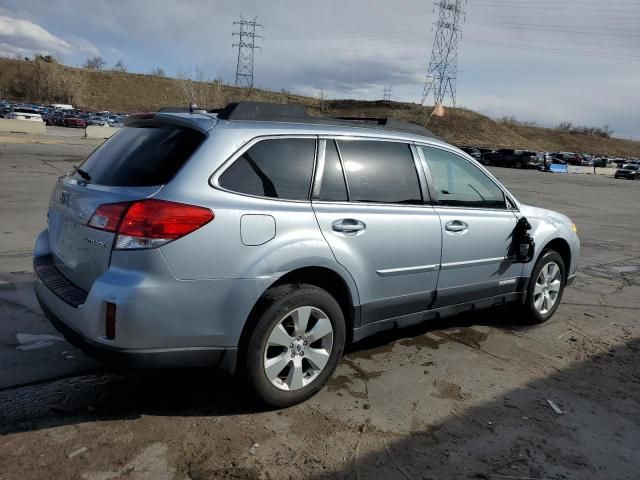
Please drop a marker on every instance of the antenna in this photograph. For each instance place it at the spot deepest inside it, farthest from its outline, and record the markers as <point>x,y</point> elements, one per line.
<point>246,45</point>
<point>443,65</point>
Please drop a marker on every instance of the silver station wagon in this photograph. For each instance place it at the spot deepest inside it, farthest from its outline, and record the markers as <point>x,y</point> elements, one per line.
<point>260,240</point>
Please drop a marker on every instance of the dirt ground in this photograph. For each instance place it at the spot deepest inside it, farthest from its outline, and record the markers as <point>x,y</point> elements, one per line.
<point>462,398</point>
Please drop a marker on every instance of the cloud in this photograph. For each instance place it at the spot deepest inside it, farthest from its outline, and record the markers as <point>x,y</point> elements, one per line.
<point>23,37</point>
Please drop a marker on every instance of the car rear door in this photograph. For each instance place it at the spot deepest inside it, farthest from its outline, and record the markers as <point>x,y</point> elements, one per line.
<point>477,226</point>
<point>377,224</point>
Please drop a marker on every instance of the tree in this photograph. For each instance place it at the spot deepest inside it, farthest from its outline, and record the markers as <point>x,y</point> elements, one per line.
<point>158,72</point>
<point>119,67</point>
<point>95,63</point>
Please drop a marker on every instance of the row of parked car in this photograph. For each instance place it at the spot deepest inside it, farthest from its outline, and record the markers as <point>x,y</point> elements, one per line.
<point>59,115</point>
<point>506,157</point>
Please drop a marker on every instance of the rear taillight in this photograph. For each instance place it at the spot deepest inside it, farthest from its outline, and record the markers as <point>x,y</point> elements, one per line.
<point>149,223</point>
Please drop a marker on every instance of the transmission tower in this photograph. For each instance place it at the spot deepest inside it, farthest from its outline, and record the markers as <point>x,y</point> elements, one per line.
<point>387,94</point>
<point>246,45</point>
<point>443,66</point>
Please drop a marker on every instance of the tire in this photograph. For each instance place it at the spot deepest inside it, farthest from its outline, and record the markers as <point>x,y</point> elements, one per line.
<point>518,164</point>
<point>282,375</point>
<point>533,311</point>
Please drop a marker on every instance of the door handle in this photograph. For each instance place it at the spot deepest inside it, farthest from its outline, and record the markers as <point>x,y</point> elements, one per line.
<point>456,226</point>
<point>348,226</point>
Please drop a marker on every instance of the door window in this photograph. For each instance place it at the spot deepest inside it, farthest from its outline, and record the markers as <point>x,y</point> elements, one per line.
<point>380,172</point>
<point>276,168</point>
<point>459,183</point>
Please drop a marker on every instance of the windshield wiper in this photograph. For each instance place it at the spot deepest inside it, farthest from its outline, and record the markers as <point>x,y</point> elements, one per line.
<point>83,173</point>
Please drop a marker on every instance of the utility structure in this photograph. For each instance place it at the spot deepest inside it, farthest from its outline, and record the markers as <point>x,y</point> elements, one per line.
<point>246,46</point>
<point>387,94</point>
<point>443,65</point>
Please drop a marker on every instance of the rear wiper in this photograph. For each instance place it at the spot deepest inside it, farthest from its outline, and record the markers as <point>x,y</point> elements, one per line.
<point>83,173</point>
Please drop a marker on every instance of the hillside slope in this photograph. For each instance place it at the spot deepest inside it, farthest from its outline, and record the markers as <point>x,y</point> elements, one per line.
<point>127,92</point>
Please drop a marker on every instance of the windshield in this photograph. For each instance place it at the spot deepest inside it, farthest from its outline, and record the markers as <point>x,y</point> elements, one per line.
<point>631,167</point>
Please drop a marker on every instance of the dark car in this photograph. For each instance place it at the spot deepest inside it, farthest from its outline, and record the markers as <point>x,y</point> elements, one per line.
<point>568,157</point>
<point>631,172</point>
<point>506,157</point>
<point>472,151</point>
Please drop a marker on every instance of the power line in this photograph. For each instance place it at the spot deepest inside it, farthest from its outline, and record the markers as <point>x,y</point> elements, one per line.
<point>246,47</point>
<point>443,65</point>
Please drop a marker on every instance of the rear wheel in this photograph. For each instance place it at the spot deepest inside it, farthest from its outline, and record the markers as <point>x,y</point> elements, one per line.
<point>295,345</point>
<point>545,289</point>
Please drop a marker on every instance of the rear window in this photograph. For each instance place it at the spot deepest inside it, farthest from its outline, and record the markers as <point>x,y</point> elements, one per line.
<point>142,157</point>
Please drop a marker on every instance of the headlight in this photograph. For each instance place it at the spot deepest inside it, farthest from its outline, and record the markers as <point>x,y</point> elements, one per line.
<point>574,229</point>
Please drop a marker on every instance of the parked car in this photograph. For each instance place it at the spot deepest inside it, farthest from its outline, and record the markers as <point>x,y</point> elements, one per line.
<point>506,157</point>
<point>24,114</point>
<point>74,121</point>
<point>567,157</point>
<point>98,121</point>
<point>472,151</point>
<point>630,171</point>
<point>260,240</point>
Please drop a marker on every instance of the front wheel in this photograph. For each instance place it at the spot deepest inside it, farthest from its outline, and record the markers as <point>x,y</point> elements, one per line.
<point>545,289</point>
<point>295,345</point>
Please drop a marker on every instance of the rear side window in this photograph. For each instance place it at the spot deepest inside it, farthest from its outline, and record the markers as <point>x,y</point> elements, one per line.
<point>276,168</point>
<point>380,172</point>
<point>142,157</point>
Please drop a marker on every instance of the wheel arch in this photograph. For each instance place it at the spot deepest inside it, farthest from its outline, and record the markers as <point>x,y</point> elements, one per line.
<point>322,277</point>
<point>561,246</point>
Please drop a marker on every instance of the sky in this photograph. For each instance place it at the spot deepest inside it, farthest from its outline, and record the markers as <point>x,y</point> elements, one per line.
<point>538,60</point>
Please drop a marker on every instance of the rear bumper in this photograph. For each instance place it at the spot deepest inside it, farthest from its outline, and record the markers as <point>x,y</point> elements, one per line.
<point>223,358</point>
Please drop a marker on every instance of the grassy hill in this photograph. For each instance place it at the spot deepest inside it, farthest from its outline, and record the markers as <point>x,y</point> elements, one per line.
<point>128,92</point>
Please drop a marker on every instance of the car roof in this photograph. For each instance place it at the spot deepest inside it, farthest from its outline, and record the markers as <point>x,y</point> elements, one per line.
<point>292,118</point>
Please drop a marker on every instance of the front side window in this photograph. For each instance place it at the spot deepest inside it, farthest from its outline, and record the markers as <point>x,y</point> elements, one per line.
<point>459,183</point>
<point>380,172</point>
<point>276,168</point>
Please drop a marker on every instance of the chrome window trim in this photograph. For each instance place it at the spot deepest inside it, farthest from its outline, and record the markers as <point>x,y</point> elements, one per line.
<point>214,178</point>
<point>511,203</point>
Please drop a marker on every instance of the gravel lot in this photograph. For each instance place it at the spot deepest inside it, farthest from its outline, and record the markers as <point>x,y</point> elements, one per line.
<point>465,398</point>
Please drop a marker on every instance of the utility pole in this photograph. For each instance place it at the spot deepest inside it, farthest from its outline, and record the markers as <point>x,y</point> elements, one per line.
<point>246,45</point>
<point>443,66</point>
<point>387,94</point>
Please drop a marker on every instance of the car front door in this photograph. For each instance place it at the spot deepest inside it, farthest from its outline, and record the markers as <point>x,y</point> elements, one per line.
<point>378,226</point>
<point>477,226</point>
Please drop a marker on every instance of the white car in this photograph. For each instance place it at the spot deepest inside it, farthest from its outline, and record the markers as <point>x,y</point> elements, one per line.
<point>24,114</point>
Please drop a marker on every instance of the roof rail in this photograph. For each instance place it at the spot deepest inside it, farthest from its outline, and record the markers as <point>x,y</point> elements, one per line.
<point>297,113</point>
<point>262,111</point>
<point>392,124</point>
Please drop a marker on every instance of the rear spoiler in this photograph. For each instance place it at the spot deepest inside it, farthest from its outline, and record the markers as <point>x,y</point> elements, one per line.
<point>194,121</point>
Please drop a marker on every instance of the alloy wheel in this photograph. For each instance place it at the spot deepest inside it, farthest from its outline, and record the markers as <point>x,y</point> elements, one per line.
<point>298,348</point>
<point>547,288</point>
